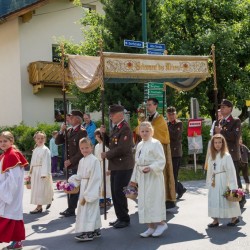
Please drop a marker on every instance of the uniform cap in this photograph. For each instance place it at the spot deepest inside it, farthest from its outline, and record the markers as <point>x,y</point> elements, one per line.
<point>76,113</point>
<point>115,108</point>
<point>226,102</point>
<point>171,110</point>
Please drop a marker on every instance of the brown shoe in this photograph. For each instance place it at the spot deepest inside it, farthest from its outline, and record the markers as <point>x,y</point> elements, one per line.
<point>36,211</point>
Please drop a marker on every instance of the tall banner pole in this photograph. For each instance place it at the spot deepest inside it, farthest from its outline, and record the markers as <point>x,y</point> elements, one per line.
<point>65,112</point>
<point>103,122</point>
<point>215,81</point>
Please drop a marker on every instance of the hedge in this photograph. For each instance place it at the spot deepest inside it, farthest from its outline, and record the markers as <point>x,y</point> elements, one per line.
<point>24,138</point>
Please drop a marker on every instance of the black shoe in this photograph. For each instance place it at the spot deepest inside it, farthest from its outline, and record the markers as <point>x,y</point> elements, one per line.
<point>67,213</point>
<point>97,233</point>
<point>213,224</point>
<point>232,224</point>
<point>49,205</point>
<point>121,224</point>
<point>170,204</point>
<point>85,236</point>
<point>181,194</point>
<point>112,223</point>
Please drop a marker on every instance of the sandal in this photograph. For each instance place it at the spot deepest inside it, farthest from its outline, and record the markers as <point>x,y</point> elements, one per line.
<point>233,222</point>
<point>36,211</point>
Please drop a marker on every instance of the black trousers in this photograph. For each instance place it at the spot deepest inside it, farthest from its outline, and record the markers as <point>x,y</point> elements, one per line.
<point>176,161</point>
<point>244,169</point>
<point>119,180</point>
<point>237,169</point>
<point>73,198</point>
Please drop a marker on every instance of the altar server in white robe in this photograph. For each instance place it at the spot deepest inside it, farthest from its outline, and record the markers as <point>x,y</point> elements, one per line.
<point>88,218</point>
<point>220,175</point>
<point>12,164</point>
<point>40,171</point>
<point>148,174</point>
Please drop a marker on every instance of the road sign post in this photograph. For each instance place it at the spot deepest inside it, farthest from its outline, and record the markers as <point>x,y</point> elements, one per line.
<point>135,44</point>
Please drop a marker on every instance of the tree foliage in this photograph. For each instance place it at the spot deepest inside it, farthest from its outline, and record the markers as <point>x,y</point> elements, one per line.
<point>191,27</point>
<point>187,28</point>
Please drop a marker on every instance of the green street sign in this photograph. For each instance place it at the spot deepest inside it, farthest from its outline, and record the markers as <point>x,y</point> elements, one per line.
<point>155,92</point>
<point>155,85</point>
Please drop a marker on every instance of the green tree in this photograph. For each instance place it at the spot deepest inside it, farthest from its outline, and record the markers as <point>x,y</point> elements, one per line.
<point>191,27</point>
<point>122,20</point>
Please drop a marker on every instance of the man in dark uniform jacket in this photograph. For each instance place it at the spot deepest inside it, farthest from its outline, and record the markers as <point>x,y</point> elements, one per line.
<point>121,162</point>
<point>230,128</point>
<point>175,132</point>
<point>74,134</point>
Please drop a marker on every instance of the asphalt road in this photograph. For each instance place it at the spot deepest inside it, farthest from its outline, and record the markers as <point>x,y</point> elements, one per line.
<point>187,227</point>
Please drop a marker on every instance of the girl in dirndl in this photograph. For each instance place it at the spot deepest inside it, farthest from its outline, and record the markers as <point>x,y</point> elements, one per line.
<point>220,175</point>
<point>12,164</point>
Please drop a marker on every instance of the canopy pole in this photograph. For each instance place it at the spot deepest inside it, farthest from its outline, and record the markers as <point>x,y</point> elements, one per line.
<point>215,82</point>
<point>103,122</point>
<point>65,111</point>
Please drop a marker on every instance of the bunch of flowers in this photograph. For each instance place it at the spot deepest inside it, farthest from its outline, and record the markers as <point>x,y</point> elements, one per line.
<point>65,186</point>
<point>131,191</point>
<point>27,180</point>
<point>236,193</point>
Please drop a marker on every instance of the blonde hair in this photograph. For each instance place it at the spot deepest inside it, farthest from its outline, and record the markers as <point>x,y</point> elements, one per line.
<point>148,125</point>
<point>39,133</point>
<point>54,132</point>
<point>224,147</point>
<point>85,140</point>
<point>9,136</point>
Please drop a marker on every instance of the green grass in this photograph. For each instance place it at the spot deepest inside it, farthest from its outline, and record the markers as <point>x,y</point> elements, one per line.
<point>188,174</point>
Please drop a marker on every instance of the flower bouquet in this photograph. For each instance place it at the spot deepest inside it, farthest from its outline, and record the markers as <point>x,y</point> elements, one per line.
<point>131,191</point>
<point>234,195</point>
<point>27,182</point>
<point>67,187</point>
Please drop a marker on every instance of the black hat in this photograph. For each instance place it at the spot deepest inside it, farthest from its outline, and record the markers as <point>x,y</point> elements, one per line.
<point>171,110</point>
<point>115,108</point>
<point>76,113</point>
<point>226,102</point>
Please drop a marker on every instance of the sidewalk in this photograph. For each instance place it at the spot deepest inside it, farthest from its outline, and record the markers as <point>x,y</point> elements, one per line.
<point>187,227</point>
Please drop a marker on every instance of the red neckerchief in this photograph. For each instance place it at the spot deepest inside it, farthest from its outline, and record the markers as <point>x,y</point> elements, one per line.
<point>121,124</point>
<point>11,158</point>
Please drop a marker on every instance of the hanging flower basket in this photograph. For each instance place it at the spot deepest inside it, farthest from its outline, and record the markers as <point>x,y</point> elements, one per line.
<point>27,182</point>
<point>234,195</point>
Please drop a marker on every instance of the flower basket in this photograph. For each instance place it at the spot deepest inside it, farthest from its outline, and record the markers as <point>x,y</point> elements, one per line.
<point>234,195</point>
<point>27,182</point>
<point>67,187</point>
<point>233,198</point>
<point>131,192</point>
<point>73,191</point>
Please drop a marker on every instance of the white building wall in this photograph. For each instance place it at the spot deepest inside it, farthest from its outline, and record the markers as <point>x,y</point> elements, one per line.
<point>10,77</point>
<point>56,19</point>
<point>23,43</point>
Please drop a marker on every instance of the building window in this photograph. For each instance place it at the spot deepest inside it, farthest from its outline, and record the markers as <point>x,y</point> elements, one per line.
<point>59,109</point>
<point>55,53</point>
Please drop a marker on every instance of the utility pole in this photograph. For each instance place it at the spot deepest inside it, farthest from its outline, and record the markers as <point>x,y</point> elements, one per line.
<point>144,21</point>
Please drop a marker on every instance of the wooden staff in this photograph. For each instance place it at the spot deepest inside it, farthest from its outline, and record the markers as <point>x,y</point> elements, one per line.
<point>215,81</point>
<point>103,144</point>
<point>65,112</point>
